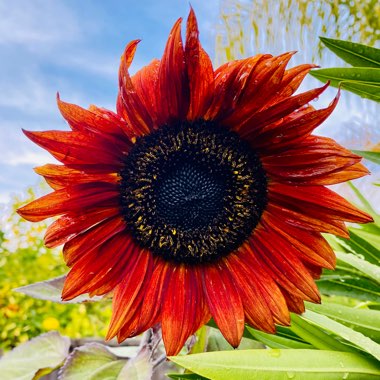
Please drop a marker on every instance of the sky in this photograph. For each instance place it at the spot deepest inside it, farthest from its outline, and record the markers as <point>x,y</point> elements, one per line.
<point>72,47</point>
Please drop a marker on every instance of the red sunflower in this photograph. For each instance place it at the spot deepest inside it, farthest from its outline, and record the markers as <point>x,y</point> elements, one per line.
<point>203,196</point>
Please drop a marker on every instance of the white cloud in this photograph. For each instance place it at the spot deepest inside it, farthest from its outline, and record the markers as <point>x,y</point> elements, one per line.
<point>94,63</point>
<point>29,94</point>
<point>27,157</point>
<point>37,21</point>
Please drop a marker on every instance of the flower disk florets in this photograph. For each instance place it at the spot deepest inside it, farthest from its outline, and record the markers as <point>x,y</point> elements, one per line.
<point>192,192</point>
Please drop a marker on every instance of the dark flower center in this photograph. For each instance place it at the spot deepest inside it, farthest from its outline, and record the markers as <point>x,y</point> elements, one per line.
<point>192,192</point>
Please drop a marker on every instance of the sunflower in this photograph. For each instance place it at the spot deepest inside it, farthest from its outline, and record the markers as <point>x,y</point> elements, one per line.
<point>202,197</point>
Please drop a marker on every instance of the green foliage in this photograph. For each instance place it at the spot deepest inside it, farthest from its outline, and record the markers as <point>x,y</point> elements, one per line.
<point>47,352</point>
<point>363,79</point>
<point>249,27</point>
<point>355,54</point>
<point>92,361</point>
<point>24,260</point>
<point>372,156</point>
<point>35,358</point>
<point>279,364</point>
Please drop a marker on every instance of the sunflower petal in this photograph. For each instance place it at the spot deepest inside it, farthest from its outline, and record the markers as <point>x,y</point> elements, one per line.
<point>59,176</point>
<point>290,130</point>
<point>257,312</point>
<point>102,270</point>
<point>76,148</point>
<point>93,121</point>
<point>71,224</point>
<point>231,84</point>
<point>262,83</point>
<point>309,246</point>
<point>173,81</point>
<point>224,302</point>
<point>277,111</point>
<point>129,105</point>
<point>284,266</point>
<point>145,82</point>
<point>151,307</point>
<point>179,309</point>
<point>199,71</point>
<point>128,295</point>
<point>71,199</point>
<point>290,82</point>
<point>317,201</point>
<point>87,241</point>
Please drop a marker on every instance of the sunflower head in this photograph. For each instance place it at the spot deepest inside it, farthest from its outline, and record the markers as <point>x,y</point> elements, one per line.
<point>203,196</point>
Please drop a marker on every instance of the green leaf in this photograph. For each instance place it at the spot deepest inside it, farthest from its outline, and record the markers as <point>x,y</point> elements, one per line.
<point>42,354</point>
<point>276,341</point>
<point>212,324</point>
<point>217,342</point>
<point>51,290</point>
<point>280,364</point>
<point>285,332</point>
<point>201,341</point>
<point>371,270</point>
<point>92,361</point>
<point>364,90</point>
<point>347,334</point>
<point>349,286</point>
<point>353,53</point>
<point>363,320</point>
<point>316,336</point>
<point>138,368</point>
<point>361,247</point>
<point>370,232</point>
<point>372,156</point>
<point>367,206</point>
<point>355,74</point>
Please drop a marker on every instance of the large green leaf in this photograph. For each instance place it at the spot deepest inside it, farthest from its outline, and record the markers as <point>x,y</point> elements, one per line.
<point>353,53</point>
<point>365,203</point>
<point>280,364</point>
<point>316,335</point>
<point>349,286</point>
<point>39,355</point>
<point>370,270</point>
<point>277,341</point>
<point>92,361</point>
<point>348,335</point>
<point>364,90</point>
<point>363,320</point>
<point>217,342</point>
<point>353,74</point>
<point>362,247</point>
<point>370,232</point>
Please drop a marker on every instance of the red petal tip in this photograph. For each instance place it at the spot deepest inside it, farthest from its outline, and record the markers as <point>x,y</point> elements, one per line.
<point>28,134</point>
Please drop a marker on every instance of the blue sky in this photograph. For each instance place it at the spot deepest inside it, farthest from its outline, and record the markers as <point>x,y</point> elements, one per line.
<point>72,47</point>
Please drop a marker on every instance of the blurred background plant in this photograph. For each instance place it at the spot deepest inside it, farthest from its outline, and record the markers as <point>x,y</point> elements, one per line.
<point>25,260</point>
